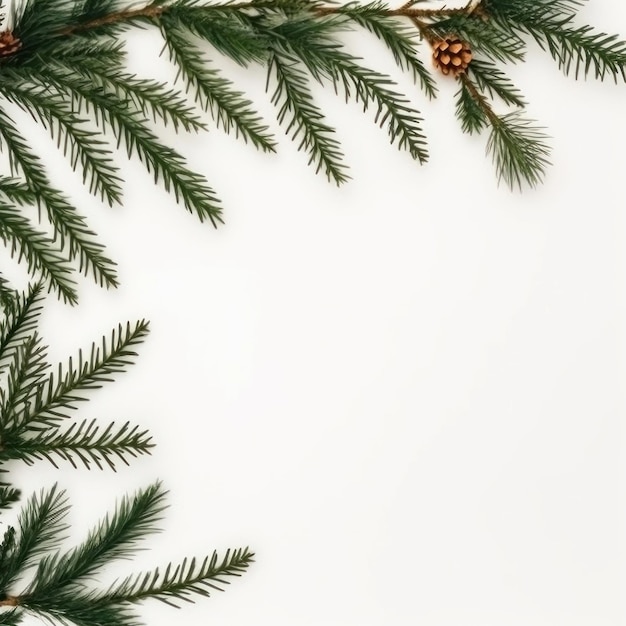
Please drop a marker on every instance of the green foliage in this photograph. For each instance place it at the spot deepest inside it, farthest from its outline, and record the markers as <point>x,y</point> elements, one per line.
<point>36,577</point>
<point>70,75</point>
<point>36,400</point>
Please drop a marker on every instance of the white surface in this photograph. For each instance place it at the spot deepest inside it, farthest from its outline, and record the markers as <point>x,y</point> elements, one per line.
<point>406,395</point>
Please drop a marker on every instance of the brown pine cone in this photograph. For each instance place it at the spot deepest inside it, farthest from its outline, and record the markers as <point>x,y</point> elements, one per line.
<point>451,55</point>
<point>9,44</point>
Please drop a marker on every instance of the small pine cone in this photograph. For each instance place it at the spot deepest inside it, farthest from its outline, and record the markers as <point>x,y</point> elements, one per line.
<point>451,55</point>
<point>9,44</point>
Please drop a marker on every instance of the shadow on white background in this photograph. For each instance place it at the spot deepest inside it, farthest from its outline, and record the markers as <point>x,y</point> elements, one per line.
<point>405,394</point>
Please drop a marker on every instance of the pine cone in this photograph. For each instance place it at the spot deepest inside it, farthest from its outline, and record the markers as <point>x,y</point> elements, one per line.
<point>9,44</point>
<point>451,55</point>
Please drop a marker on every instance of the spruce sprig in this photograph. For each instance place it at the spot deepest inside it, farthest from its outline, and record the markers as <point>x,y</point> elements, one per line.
<point>60,588</point>
<point>65,63</point>
<point>37,401</point>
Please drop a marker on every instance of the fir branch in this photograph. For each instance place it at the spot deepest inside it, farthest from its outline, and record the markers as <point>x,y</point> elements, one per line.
<point>303,119</point>
<point>41,528</point>
<point>225,27</point>
<point>399,38</point>
<point>469,110</point>
<point>69,227</point>
<point>518,147</point>
<point>495,83</point>
<point>60,589</point>
<point>7,294</point>
<point>19,320</point>
<point>228,107</point>
<point>57,396</point>
<point>313,44</point>
<point>115,537</point>
<point>37,249</point>
<point>8,496</point>
<point>78,142</point>
<point>85,443</point>
<point>486,37</point>
<point>519,150</point>
<point>129,127</point>
<point>17,191</point>
<point>181,582</point>
<point>26,371</point>
<point>577,50</point>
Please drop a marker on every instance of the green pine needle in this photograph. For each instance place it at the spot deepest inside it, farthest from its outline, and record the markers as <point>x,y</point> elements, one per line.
<point>71,72</point>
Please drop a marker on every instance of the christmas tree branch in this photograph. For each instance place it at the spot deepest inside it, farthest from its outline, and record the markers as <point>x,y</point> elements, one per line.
<point>65,64</point>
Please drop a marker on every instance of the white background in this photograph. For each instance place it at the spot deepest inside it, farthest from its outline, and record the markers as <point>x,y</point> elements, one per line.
<point>404,394</point>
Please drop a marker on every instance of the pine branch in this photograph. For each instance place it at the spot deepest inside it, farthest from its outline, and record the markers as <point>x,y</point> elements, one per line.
<point>37,249</point>
<point>69,227</point>
<point>52,401</point>
<point>85,443</point>
<point>519,150</point>
<point>303,119</point>
<point>130,128</point>
<point>518,147</point>
<point>224,27</point>
<point>19,320</point>
<point>61,588</point>
<point>8,496</point>
<point>41,528</point>
<point>79,143</point>
<point>7,294</point>
<point>16,191</point>
<point>228,107</point>
<point>399,38</point>
<point>115,537</point>
<point>181,582</point>
<point>26,372</point>
<point>494,82</point>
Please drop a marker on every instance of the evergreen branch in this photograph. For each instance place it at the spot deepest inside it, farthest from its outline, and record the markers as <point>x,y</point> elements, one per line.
<point>304,120</point>
<point>398,37</point>
<point>224,27</point>
<point>17,191</point>
<point>228,107</point>
<point>181,582</point>
<point>486,37</point>
<point>73,137</point>
<point>69,226</point>
<point>519,151</point>
<point>518,148</point>
<point>579,50</point>
<point>25,372</point>
<point>7,295</point>
<point>115,537</point>
<point>312,42</point>
<point>36,20</point>
<point>19,320</point>
<point>59,394</point>
<point>152,98</point>
<point>130,128</point>
<point>469,110</point>
<point>495,83</point>
<point>83,443</point>
<point>78,610</point>
<point>41,527</point>
<point>8,496</point>
<point>38,250</point>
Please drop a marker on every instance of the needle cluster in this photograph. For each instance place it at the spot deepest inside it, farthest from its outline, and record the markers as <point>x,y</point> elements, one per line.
<point>38,403</point>
<point>65,63</point>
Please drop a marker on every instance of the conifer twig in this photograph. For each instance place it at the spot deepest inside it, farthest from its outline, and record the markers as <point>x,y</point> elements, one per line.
<point>65,64</point>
